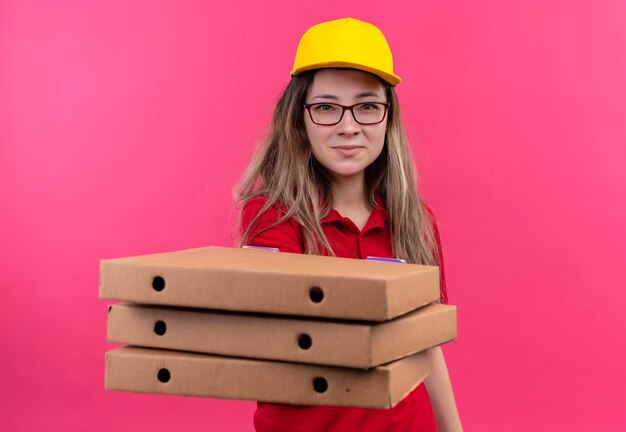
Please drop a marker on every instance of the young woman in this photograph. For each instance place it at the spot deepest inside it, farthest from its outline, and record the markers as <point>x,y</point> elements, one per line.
<point>336,177</point>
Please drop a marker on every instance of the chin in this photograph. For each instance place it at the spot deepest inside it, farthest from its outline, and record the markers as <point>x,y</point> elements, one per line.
<point>346,172</point>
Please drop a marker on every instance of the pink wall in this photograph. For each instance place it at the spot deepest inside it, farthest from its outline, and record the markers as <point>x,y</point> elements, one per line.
<point>124,125</point>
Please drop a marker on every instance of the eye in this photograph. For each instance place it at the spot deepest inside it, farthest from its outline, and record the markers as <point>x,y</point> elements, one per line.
<point>369,106</point>
<point>324,107</point>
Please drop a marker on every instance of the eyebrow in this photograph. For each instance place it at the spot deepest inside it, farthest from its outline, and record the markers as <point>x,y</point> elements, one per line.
<point>326,96</point>
<point>367,94</point>
<point>359,96</point>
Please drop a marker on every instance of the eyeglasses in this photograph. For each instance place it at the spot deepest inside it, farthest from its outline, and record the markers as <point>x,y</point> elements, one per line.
<point>365,113</point>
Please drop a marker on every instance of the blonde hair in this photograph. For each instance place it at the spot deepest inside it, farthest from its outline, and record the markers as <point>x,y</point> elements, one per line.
<point>285,172</point>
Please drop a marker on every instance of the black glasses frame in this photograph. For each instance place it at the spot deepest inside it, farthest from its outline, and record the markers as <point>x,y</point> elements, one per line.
<point>347,108</point>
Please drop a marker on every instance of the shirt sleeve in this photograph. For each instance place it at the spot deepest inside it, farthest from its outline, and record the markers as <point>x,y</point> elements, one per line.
<point>286,236</point>
<point>442,273</point>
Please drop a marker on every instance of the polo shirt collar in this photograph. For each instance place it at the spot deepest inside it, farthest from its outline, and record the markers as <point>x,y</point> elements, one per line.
<point>377,218</point>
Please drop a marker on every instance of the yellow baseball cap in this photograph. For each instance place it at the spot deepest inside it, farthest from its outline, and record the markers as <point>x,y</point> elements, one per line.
<point>345,43</point>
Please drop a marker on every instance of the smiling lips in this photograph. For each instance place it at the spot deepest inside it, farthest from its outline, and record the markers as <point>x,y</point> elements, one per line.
<point>348,150</point>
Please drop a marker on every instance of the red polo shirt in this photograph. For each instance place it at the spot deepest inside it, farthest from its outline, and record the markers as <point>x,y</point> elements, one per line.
<point>414,413</point>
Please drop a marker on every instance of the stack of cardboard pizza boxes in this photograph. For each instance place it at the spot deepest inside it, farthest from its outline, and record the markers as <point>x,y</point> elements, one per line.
<point>272,327</point>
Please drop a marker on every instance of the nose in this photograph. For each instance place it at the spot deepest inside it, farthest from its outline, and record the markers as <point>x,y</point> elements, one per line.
<point>348,125</point>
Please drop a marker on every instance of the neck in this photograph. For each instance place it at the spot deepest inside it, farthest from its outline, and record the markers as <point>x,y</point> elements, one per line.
<point>349,192</point>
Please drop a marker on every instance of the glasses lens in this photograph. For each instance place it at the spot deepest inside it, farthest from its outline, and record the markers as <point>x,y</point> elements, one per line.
<point>369,112</point>
<point>325,114</point>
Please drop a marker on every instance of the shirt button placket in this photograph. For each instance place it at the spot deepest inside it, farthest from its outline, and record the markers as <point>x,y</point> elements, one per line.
<point>361,252</point>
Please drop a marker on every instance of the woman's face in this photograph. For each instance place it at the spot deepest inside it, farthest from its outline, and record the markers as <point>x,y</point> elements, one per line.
<point>347,148</point>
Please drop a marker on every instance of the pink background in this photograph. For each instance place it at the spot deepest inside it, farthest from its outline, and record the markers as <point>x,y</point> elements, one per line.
<point>125,124</point>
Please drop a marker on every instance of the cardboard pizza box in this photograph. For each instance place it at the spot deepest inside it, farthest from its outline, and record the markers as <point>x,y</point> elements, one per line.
<point>339,343</point>
<point>281,283</point>
<point>146,370</point>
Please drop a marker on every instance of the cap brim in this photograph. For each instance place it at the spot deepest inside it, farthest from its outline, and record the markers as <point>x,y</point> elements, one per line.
<point>392,79</point>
